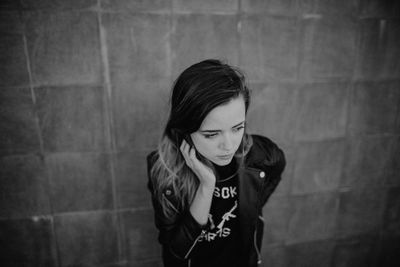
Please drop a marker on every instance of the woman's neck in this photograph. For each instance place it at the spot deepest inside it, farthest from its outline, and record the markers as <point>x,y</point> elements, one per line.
<point>226,171</point>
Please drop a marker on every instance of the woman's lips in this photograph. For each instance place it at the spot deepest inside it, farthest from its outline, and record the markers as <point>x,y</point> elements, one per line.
<point>225,156</point>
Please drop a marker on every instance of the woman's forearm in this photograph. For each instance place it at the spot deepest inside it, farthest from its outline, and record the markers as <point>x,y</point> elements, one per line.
<point>200,207</point>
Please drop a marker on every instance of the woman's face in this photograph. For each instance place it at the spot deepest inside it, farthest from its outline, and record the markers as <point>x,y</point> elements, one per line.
<point>221,132</point>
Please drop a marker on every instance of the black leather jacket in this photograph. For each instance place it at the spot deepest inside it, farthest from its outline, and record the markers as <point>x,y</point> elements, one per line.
<point>257,179</point>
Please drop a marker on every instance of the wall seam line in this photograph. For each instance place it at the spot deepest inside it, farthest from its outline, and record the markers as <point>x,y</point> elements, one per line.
<point>41,147</point>
<point>107,96</point>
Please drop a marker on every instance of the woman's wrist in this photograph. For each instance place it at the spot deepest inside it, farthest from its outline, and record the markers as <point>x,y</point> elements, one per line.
<point>201,204</point>
<point>207,186</point>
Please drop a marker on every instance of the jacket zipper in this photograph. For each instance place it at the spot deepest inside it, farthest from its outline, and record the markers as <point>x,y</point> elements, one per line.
<point>255,231</point>
<point>255,246</point>
<point>255,242</point>
<point>194,243</point>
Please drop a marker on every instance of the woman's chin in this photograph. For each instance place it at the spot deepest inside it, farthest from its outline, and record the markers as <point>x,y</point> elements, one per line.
<point>222,161</point>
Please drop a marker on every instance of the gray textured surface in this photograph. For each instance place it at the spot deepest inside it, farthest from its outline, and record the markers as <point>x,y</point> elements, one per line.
<point>84,86</point>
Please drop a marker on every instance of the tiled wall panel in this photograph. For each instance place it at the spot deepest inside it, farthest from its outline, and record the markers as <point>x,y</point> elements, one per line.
<point>374,108</point>
<point>28,242</point>
<point>360,211</point>
<point>137,227</point>
<point>279,61</point>
<point>196,37</point>
<point>131,177</point>
<point>18,126</point>
<point>63,47</point>
<point>14,68</point>
<point>327,48</point>
<point>24,186</point>
<point>367,161</point>
<point>356,251</point>
<point>321,111</point>
<point>312,217</point>
<point>272,111</point>
<point>318,167</point>
<point>65,129</point>
<point>316,253</point>
<point>278,7</point>
<point>86,239</point>
<point>206,6</point>
<point>159,6</point>
<point>80,181</point>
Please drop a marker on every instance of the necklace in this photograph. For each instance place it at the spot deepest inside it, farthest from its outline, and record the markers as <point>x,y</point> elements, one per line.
<point>227,178</point>
<point>225,173</point>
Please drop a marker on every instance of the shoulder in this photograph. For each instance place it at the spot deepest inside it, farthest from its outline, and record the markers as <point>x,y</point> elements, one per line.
<point>265,153</point>
<point>262,142</point>
<point>262,148</point>
<point>153,184</point>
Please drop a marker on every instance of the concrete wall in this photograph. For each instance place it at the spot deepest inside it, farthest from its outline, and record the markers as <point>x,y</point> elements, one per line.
<point>83,91</point>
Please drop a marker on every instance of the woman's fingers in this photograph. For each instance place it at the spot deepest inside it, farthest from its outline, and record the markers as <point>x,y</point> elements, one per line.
<point>185,149</point>
<point>202,172</point>
<point>192,155</point>
<point>189,154</point>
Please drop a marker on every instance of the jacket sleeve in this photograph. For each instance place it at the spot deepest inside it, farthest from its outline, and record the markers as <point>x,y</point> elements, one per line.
<point>273,163</point>
<point>179,232</point>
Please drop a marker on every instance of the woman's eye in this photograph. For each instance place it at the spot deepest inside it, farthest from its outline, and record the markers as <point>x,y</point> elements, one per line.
<point>238,129</point>
<point>210,135</point>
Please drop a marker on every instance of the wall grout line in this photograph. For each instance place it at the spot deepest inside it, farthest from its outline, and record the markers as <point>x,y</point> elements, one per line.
<point>78,212</point>
<point>239,26</point>
<point>32,91</point>
<point>55,249</point>
<point>108,99</point>
<point>172,30</point>
<point>107,96</point>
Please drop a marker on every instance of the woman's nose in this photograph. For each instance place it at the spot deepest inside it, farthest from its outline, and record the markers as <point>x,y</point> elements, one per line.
<point>226,143</point>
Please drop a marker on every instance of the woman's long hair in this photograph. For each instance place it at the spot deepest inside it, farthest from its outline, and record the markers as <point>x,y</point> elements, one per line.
<point>199,89</point>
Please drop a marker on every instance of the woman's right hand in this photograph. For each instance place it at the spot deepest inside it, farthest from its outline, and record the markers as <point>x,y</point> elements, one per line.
<point>203,172</point>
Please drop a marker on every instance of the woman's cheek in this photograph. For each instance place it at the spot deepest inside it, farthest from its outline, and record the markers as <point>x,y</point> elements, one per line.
<point>204,147</point>
<point>211,146</point>
<point>239,138</point>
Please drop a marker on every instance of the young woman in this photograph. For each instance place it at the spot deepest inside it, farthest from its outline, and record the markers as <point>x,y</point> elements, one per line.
<point>209,179</point>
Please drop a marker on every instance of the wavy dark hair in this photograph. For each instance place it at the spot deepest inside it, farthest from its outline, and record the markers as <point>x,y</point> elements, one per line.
<point>199,89</point>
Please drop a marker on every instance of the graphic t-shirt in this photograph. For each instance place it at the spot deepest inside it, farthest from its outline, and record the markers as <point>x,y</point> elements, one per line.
<point>220,244</point>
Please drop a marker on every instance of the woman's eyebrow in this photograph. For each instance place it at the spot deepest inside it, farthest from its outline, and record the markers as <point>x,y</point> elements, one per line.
<point>213,131</point>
